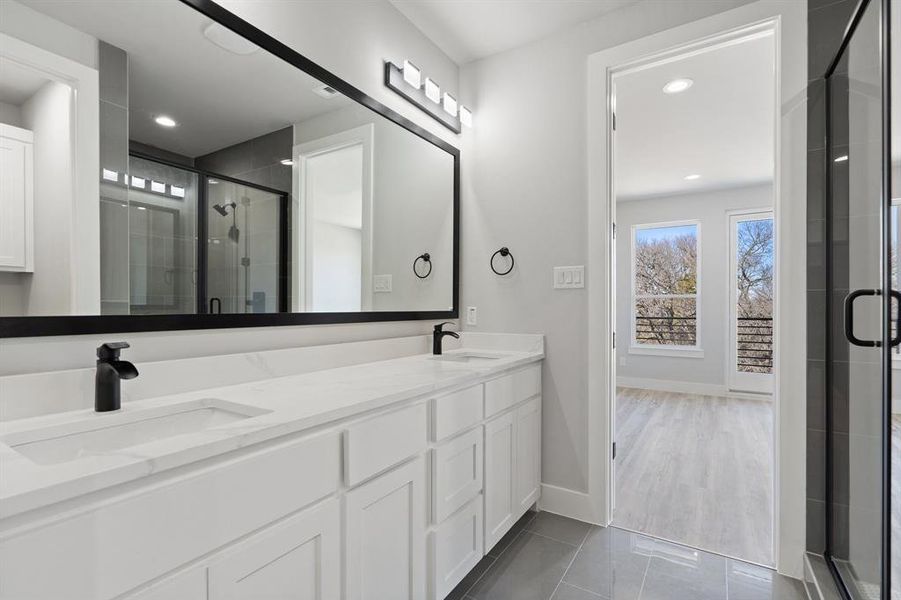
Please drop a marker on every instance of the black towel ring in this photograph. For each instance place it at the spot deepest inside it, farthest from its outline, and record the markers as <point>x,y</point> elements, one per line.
<point>426,259</point>
<point>503,252</point>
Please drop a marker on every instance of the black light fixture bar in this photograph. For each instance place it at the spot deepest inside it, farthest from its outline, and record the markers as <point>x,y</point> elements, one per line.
<point>394,79</point>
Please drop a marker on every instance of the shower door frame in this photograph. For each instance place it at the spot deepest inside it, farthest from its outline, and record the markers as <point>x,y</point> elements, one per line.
<point>885,59</point>
<point>202,231</point>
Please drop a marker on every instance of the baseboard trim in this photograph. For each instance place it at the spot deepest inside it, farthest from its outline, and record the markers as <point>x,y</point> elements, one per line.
<point>567,503</point>
<point>686,387</point>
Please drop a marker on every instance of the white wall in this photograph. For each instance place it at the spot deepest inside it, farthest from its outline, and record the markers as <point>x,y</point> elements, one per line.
<point>10,114</point>
<point>524,180</point>
<point>349,39</point>
<point>48,291</point>
<point>710,209</point>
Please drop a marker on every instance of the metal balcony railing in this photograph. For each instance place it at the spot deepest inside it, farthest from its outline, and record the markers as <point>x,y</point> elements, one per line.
<point>754,338</point>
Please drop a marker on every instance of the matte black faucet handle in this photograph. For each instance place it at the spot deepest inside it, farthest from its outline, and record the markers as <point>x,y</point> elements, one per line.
<point>438,327</point>
<point>110,350</point>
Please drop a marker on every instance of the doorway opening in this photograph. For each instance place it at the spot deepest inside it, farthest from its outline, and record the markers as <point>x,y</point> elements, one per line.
<point>693,172</point>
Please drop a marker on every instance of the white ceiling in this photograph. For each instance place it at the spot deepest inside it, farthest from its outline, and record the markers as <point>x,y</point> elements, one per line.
<point>18,83</point>
<point>722,128</point>
<point>218,98</point>
<point>468,30</point>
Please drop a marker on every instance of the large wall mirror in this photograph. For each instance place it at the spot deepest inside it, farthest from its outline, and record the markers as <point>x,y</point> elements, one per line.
<point>165,165</point>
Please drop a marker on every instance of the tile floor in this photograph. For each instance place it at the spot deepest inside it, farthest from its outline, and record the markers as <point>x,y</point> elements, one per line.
<point>548,557</point>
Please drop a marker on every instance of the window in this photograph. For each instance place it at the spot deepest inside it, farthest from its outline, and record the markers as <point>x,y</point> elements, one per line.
<point>665,286</point>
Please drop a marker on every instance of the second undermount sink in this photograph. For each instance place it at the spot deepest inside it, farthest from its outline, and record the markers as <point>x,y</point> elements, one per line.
<point>467,356</point>
<point>102,433</point>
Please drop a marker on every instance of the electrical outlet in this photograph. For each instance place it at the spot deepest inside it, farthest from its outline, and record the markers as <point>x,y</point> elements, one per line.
<point>472,317</point>
<point>381,284</point>
<point>569,277</point>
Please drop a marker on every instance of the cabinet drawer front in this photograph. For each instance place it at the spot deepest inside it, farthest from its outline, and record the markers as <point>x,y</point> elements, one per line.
<point>456,412</point>
<point>297,558</point>
<point>504,392</point>
<point>126,541</point>
<point>384,441</point>
<point>457,471</point>
<point>456,547</point>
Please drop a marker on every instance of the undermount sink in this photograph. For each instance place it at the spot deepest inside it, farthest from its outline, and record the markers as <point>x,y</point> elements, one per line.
<point>466,357</point>
<point>102,433</point>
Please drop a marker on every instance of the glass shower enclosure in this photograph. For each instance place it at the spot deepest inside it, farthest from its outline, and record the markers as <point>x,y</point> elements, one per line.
<point>860,309</point>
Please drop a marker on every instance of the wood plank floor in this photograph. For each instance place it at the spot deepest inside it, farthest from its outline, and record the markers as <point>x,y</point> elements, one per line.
<point>697,470</point>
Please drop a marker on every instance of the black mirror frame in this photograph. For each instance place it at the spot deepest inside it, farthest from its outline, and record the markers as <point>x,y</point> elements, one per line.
<point>11,327</point>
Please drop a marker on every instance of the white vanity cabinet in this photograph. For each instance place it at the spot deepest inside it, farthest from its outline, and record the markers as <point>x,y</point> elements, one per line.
<point>16,199</point>
<point>385,537</point>
<point>512,450</point>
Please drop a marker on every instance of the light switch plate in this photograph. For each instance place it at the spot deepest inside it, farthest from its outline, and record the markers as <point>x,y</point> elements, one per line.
<point>569,277</point>
<point>381,284</point>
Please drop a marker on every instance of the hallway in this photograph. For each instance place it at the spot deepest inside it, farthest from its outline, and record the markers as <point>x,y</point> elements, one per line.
<point>696,470</point>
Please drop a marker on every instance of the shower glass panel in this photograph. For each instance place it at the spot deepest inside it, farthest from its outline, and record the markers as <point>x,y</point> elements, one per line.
<point>246,270</point>
<point>858,347</point>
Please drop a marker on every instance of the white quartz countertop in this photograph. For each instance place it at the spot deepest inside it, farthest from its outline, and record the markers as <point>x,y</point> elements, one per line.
<point>292,404</point>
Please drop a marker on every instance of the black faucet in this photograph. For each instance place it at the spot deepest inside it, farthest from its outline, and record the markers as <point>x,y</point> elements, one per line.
<point>110,370</point>
<point>438,335</point>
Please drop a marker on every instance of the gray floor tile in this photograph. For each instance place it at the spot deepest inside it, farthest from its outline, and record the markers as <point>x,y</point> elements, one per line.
<point>568,592</point>
<point>562,529</point>
<point>751,582</point>
<point>459,592</point>
<point>611,563</point>
<point>502,544</point>
<point>674,567</point>
<point>529,569</point>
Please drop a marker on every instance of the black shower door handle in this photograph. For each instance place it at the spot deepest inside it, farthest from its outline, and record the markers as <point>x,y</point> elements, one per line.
<point>849,318</point>
<point>896,339</point>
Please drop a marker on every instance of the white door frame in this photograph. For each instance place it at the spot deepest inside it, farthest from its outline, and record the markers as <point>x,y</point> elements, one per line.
<point>301,249</point>
<point>754,383</point>
<point>84,203</point>
<point>787,20</point>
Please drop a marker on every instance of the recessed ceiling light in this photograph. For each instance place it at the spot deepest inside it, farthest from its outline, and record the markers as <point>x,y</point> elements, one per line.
<point>165,121</point>
<point>287,162</point>
<point>842,158</point>
<point>677,85</point>
<point>692,177</point>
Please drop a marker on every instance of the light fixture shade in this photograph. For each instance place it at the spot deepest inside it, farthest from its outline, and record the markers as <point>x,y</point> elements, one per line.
<point>450,104</point>
<point>177,191</point>
<point>432,91</point>
<point>465,116</point>
<point>157,186</point>
<point>412,74</point>
<point>138,182</point>
<point>110,175</point>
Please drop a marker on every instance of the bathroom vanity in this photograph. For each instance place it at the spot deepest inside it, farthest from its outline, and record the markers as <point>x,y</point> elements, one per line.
<point>381,480</point>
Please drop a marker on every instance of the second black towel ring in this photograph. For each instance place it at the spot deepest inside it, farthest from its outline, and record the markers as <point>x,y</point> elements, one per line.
<point>426,259</point>
<point>503,252</point>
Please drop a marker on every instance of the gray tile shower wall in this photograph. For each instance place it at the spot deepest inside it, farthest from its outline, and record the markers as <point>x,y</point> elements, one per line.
<point>257,160</point>
<point>827,20</point>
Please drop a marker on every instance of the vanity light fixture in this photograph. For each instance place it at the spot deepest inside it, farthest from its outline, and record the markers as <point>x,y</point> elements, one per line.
<point>157,186</point>
<point>164,121</point>
<point>841,158</point>
<point>138,182</point>
<point>465,116</point>
<point>432,91</point>
<point>177,191</point>
<point>412,74</point>
<point>450,104</point>
<point>677,86</point>
<point>691,177</point>
<point>425,93</point>
<point>110,175</point>
<point>287,162</point>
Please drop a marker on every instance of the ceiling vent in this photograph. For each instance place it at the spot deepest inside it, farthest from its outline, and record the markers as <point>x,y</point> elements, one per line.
<point>326,91</point>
